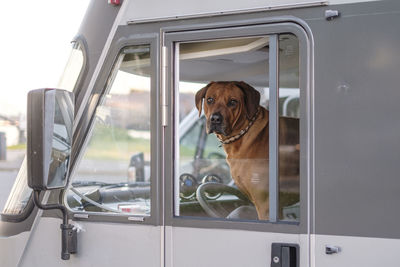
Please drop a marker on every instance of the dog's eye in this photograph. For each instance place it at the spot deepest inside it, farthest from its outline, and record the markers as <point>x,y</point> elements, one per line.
<point>232,103</point>
<point>210,100</point>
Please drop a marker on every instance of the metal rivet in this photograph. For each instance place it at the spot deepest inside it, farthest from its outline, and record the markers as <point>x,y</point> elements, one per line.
<point>275,259</point>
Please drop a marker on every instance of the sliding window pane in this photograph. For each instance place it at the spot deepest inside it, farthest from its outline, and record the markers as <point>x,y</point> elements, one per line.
<point>289,130</point>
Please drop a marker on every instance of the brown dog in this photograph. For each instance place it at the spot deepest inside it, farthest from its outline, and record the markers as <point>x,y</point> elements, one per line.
<point>233,113</point>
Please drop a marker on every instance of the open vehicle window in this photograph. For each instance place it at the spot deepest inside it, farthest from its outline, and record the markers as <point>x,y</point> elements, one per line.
<point>222,168</point>
<point>114,173</point>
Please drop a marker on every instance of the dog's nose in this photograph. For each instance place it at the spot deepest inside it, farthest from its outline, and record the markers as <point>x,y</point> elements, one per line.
<point>216,118</point>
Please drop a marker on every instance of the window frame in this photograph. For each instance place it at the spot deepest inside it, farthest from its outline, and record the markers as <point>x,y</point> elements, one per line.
<point>96,98</point>
<point>173,36</point>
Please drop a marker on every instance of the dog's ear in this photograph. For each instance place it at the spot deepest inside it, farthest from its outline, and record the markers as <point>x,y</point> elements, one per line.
<point>251,98</point>
<point>199,97</point>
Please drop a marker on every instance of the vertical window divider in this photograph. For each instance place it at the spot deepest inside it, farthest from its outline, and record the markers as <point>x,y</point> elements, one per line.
<point>273,127</point>
<point>175,100</point>
<point>164,82</point>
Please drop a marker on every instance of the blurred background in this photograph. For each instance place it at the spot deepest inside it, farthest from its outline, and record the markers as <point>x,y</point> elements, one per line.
<point>34,49</point>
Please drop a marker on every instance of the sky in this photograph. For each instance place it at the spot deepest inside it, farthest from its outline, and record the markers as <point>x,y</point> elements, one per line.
<point>35,43</point>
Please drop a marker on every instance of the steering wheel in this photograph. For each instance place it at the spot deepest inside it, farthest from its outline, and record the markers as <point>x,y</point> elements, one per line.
<point>216,188</point>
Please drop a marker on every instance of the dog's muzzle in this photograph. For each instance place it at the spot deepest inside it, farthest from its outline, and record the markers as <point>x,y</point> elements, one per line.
<point>216,123</point>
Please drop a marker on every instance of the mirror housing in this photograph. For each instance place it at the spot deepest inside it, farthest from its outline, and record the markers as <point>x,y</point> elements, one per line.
<point>50,117</point>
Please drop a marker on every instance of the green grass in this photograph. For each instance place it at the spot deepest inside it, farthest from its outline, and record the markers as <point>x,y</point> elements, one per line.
<point>17,147</point>
<point>187,152</point>
<point>115,144</point>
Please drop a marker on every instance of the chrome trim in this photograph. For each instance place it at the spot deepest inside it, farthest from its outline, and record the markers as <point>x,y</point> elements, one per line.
<point>230,12</point>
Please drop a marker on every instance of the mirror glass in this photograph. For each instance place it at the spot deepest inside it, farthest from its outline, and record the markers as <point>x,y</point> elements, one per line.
<point>61,140</point>
<point>50,126</point>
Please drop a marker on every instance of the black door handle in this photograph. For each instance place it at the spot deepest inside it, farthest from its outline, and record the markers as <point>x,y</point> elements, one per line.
<point>285,255</point>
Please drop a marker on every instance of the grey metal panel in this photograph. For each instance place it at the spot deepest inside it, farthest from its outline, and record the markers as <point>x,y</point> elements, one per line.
<point>12,248</point>
<point>357,122</point>
<point>99,244</point>
<point>306,65</point>
<point>233,248</point>
<point>356,251</point>
<point>145,11</point>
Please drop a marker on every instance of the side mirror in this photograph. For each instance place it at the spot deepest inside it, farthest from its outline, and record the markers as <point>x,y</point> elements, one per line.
<point>50,117</point>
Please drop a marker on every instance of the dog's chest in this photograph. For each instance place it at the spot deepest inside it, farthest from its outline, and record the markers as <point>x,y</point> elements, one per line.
<point>249,173</point>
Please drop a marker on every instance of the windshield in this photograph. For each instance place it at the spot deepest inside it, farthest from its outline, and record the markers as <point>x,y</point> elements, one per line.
<point>73,68</point>
<point>20,194</point>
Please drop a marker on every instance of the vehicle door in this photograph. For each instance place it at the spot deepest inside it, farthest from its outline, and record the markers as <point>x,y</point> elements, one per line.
<point>113,196</point>
<point>208,220</point>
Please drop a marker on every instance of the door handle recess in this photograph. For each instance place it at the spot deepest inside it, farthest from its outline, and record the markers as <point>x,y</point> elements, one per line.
<point>285,255</point>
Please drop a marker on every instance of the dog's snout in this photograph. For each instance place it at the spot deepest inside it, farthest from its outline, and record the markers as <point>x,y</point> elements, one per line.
<point>215,123</point>
<point>216,118</point>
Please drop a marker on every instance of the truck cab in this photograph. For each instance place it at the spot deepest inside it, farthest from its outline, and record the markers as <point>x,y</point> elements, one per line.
<point>143,183</point>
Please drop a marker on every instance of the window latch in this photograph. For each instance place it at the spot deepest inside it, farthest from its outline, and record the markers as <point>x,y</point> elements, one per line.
<point>331,14</point>
<point>329,250</point>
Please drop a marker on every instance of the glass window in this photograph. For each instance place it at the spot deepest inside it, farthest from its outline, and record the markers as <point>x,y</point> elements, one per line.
<point>20,193</point>
<point>114,173</point>
<point>73,68</point>
<point>289,130</point>
<point>222,168</point>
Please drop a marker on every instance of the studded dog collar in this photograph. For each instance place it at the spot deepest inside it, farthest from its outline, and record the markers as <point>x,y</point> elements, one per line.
<point>242,132</point>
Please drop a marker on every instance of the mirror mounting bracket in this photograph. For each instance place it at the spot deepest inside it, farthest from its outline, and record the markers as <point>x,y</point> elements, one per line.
<point>68,232</point>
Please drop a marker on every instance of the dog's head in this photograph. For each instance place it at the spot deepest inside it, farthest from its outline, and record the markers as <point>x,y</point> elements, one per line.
<point>227,105</point>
